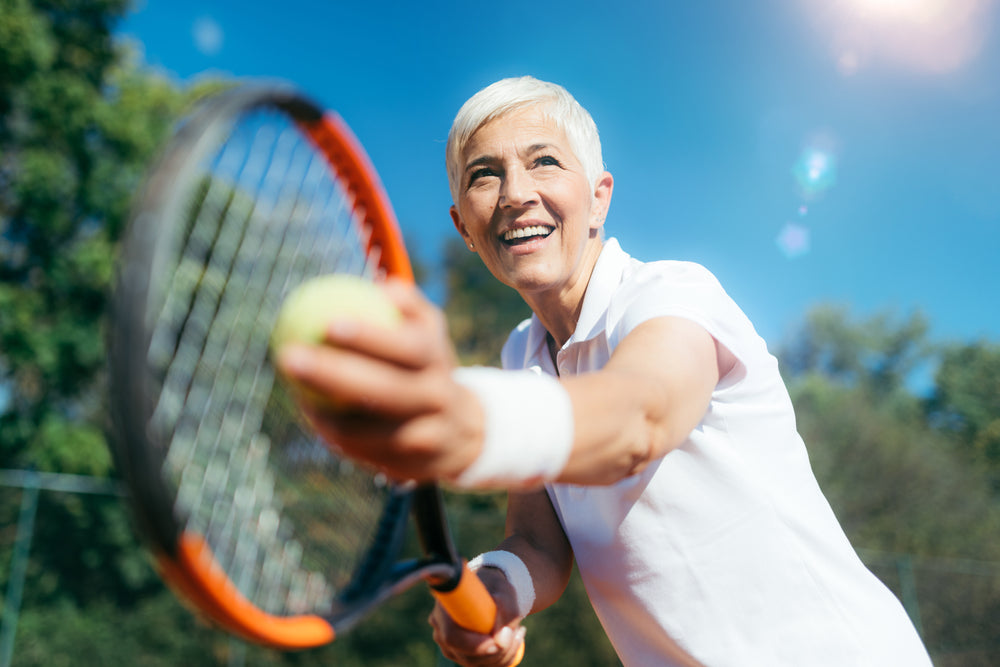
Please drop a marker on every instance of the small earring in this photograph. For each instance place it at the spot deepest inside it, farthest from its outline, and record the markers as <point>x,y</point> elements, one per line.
<point>472,246</point>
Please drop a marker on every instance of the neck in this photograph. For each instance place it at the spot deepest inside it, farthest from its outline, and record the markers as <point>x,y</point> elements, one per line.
<point>559,309</point>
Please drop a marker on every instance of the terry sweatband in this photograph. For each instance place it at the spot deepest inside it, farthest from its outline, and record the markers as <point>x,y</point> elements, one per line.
<point>516,572</point>
<point>528,430</point>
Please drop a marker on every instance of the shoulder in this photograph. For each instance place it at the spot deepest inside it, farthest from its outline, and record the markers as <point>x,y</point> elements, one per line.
<point>689,290</point>
<point>666,287</point>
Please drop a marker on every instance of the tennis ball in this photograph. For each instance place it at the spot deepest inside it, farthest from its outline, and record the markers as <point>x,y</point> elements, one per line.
<point>309,308</point>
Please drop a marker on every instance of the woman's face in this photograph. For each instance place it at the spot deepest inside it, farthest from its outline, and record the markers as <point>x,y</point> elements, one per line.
<point>526,207</point>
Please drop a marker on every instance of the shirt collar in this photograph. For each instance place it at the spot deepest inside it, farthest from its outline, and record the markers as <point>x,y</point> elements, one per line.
<point>604,280</point>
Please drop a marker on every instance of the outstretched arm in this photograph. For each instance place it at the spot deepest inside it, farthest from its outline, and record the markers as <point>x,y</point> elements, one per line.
<point>403,411</point>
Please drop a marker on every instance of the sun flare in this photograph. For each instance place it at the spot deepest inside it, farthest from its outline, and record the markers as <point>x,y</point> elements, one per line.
<point>931,36</point>
<point>903,10</point>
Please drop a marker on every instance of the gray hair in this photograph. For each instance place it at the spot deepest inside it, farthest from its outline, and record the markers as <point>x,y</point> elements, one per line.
<point>512,94</point>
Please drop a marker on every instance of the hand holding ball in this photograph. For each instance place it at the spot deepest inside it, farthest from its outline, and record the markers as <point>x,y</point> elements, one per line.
<point>309,309</point>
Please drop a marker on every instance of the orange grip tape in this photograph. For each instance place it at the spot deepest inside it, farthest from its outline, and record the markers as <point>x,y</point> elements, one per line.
<point>196,576</point>
<point>471,606</point>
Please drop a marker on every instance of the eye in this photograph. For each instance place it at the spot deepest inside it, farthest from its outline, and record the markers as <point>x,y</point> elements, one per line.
<point>480,173</point>
<point>547,161</point>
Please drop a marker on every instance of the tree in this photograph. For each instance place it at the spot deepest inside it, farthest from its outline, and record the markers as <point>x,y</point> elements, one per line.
<point>79,124</point>
<point>966,403</point>
<point>879,353</point>
<point>79,121</point>
<point>921,516</point>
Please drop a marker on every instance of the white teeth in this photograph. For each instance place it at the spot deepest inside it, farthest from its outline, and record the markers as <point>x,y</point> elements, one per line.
<point>536,230</point>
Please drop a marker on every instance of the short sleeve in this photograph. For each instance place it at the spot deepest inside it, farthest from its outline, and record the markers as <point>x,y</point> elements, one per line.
<point>687,290</point>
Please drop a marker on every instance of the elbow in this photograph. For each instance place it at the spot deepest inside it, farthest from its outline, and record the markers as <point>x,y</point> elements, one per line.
<point>654,438</point>
<point>647,449</point>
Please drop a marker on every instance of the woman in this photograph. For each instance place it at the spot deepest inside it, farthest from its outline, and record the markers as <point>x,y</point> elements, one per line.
<point>649,435</point>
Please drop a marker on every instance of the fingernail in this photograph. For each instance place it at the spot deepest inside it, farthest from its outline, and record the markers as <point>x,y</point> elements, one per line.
<point>505,636</point>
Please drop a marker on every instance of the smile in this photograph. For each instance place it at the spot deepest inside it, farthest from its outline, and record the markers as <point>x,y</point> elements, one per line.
<point>524,234</point>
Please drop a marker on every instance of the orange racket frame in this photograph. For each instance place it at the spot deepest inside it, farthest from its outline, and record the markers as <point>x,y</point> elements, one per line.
<point>184,557</point>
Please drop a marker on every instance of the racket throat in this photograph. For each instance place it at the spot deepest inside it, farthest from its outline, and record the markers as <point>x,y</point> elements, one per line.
<point>435,539</point>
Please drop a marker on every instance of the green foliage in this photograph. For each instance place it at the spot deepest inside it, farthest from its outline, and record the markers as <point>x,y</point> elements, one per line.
<point>895,484</point>
<point>80,122</point>
<point>966,403</point>
<point>879,353</point>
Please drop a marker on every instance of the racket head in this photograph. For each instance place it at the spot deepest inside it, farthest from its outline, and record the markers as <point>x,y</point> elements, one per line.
<point>250,516</point>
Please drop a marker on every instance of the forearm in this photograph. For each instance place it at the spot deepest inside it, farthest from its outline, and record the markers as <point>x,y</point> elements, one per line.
<point>599,427</point>
<point>535,536</point>
<point>643,404</point>
<point>617,427</point>
<point>548,579</point>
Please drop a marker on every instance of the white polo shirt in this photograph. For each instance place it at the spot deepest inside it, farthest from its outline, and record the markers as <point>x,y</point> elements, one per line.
<point>725,548</point>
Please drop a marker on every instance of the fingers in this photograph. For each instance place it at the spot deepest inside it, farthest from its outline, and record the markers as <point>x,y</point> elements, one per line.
<point>393,371</point>
<point>387,396</point>
<point>366,382</point>
<point>471,649</point>
<point>420,340</point>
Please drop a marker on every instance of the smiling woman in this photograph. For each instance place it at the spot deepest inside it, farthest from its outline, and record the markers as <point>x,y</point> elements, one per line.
<point>525,204</point>
<point>640,425</point>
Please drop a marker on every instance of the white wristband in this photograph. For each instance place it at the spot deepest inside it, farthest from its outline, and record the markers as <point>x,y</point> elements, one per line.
<point>516,572</point>
<point>528,428</point>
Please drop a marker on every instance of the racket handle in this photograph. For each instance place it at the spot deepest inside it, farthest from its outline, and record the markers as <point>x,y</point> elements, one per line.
<point>471,606</point>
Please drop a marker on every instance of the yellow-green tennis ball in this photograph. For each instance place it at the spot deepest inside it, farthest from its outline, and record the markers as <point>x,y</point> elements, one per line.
<point>310,308</point>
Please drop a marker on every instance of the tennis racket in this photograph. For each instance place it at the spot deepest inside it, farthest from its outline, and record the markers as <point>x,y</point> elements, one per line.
<point>251,517</point>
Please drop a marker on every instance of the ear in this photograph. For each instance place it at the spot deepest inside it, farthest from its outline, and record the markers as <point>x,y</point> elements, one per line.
<point>456,219</point>
<point>603,188</point>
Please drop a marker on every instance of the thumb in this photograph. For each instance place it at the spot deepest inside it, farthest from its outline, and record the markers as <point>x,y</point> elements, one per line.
<point>508,639</point>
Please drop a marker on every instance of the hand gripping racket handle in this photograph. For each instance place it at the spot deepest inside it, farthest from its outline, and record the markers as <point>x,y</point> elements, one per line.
<point>471,606</point>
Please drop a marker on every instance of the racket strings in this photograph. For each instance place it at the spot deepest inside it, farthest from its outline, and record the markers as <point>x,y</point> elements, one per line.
<point>266,216</point>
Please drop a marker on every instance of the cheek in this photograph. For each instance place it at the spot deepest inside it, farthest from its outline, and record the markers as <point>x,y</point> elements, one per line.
<point>478,211</point>
<point>573,198</point>
<point>579,210</point>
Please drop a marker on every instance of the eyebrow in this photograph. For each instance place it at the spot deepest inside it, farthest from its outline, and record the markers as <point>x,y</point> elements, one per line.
<point>489,159</point>
<point>485,159</point>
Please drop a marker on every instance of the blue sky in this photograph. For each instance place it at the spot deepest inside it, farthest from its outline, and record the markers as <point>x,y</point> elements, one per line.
<point>806,151</point>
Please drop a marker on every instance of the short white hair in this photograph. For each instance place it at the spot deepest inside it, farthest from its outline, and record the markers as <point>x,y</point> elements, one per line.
<point>508,95</point>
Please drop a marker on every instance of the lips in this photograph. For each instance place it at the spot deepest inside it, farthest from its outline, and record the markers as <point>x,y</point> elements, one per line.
<point>525,234</point>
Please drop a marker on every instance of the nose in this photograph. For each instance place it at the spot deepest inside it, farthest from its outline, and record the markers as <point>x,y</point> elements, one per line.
<point>517,189</point>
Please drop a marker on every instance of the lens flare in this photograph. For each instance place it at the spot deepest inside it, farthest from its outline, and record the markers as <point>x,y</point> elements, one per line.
<point>815,171</point>
<point>929,36</point>
<point>793,240</point>
<point>208,36</point>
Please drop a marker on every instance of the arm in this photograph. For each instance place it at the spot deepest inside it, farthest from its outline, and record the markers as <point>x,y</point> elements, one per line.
<point>410,418</point>
<point>534,534</point>
<point>650,395</point>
